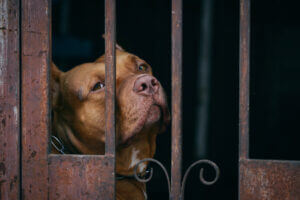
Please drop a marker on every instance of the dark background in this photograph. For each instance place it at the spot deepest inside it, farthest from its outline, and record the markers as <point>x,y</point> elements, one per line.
<point>143,28</point>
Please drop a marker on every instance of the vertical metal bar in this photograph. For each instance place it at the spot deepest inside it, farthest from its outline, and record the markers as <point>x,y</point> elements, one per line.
<point>9,100</point>
<point>176,98</point>
<point>110,75</point>
<point>244,78</point>
<point>35,98</point>
<point>204,78</point>
<point>110,81</point>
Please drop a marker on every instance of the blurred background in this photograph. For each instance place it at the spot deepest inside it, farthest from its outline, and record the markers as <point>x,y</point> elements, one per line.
<point>210,76</point>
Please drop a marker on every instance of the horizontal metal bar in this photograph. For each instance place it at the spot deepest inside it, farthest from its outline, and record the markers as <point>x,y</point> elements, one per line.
<point>269,179</point>
<point>87,171</point>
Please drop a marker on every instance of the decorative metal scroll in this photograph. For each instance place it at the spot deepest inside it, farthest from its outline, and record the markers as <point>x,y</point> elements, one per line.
<point>201,177</point>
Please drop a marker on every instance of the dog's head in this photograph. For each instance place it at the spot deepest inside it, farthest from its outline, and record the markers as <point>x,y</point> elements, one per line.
<point>78,101</point>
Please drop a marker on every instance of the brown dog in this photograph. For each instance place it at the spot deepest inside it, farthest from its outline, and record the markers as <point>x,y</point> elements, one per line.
<point>78,102</point>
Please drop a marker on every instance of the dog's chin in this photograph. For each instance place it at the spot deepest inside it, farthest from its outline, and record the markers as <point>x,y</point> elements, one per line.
<point>152,119</point>
<point>154,116</point>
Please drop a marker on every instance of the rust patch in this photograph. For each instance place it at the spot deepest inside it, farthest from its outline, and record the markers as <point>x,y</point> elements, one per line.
<point>244,68</point>
<point>2,169</point>
<point>3,122</point>
<point>12,182</point>
<point>35,99</point>
<point>9,99</point>
<point>269,180</point>
<point>1,187</point>
<point>176,99</point>
<point>86,171</point>
<point>32,155</point>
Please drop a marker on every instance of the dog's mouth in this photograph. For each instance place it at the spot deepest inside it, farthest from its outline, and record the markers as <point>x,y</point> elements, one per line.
<point>154,115</point>
<point>157,116</point>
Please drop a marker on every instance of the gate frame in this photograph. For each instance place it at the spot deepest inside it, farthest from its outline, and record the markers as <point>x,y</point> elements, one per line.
<point>25,116</point>
<point>259,179</point>
<point>35,173</point>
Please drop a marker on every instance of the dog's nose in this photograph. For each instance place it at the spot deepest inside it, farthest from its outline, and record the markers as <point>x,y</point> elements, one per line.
<point>146,85</point>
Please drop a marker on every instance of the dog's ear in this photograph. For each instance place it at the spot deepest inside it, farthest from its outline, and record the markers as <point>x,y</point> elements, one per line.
<point>118,47</point>
<point>102,58</point>
<point>54,83</point>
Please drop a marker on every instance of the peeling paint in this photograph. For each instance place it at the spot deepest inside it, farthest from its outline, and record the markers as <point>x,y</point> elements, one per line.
<point>3,39</point>
<point>269,180</point>
<point>15,110</point>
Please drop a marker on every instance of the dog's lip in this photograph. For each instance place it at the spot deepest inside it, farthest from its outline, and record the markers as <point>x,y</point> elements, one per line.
<point>165,119</point>
<point>163,123</point>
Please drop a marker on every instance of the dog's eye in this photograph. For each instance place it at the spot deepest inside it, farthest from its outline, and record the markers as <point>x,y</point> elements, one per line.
<point>142,68</point>
<point>98,86</point>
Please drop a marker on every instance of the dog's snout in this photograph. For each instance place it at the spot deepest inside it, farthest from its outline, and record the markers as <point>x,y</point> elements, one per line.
<point>146,85</point>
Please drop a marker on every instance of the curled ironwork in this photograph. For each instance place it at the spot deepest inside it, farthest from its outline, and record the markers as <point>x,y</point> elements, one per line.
<point>201,177</point>
<point>145,180</point>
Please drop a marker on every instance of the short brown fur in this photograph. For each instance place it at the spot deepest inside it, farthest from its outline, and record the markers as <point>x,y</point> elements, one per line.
<point>79,115</point>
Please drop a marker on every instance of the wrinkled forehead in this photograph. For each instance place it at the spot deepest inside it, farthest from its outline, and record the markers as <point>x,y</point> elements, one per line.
<point>126,65</point>
<point>84,72</point>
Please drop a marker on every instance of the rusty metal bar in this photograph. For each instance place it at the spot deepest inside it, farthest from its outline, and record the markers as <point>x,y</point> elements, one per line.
<point>244,78</point>
<point>110,74</point>
<point>176,98</point>
<point>89,176</point>
<point>269,179</point>
<point>35,98</point>
<point>9,100</point>
<point>110,82</point>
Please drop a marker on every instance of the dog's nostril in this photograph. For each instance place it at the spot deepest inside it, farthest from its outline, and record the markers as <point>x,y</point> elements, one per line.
<point>143,86</point>
<point>154,82</point>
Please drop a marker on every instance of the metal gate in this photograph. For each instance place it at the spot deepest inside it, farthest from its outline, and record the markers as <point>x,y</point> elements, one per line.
<point>259,179</point>
<point>29,171</point>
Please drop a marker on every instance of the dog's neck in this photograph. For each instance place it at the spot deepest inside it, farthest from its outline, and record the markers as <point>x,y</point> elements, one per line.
<point>73,144</point>
<point>127,156</point>
<point>141,147</point>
